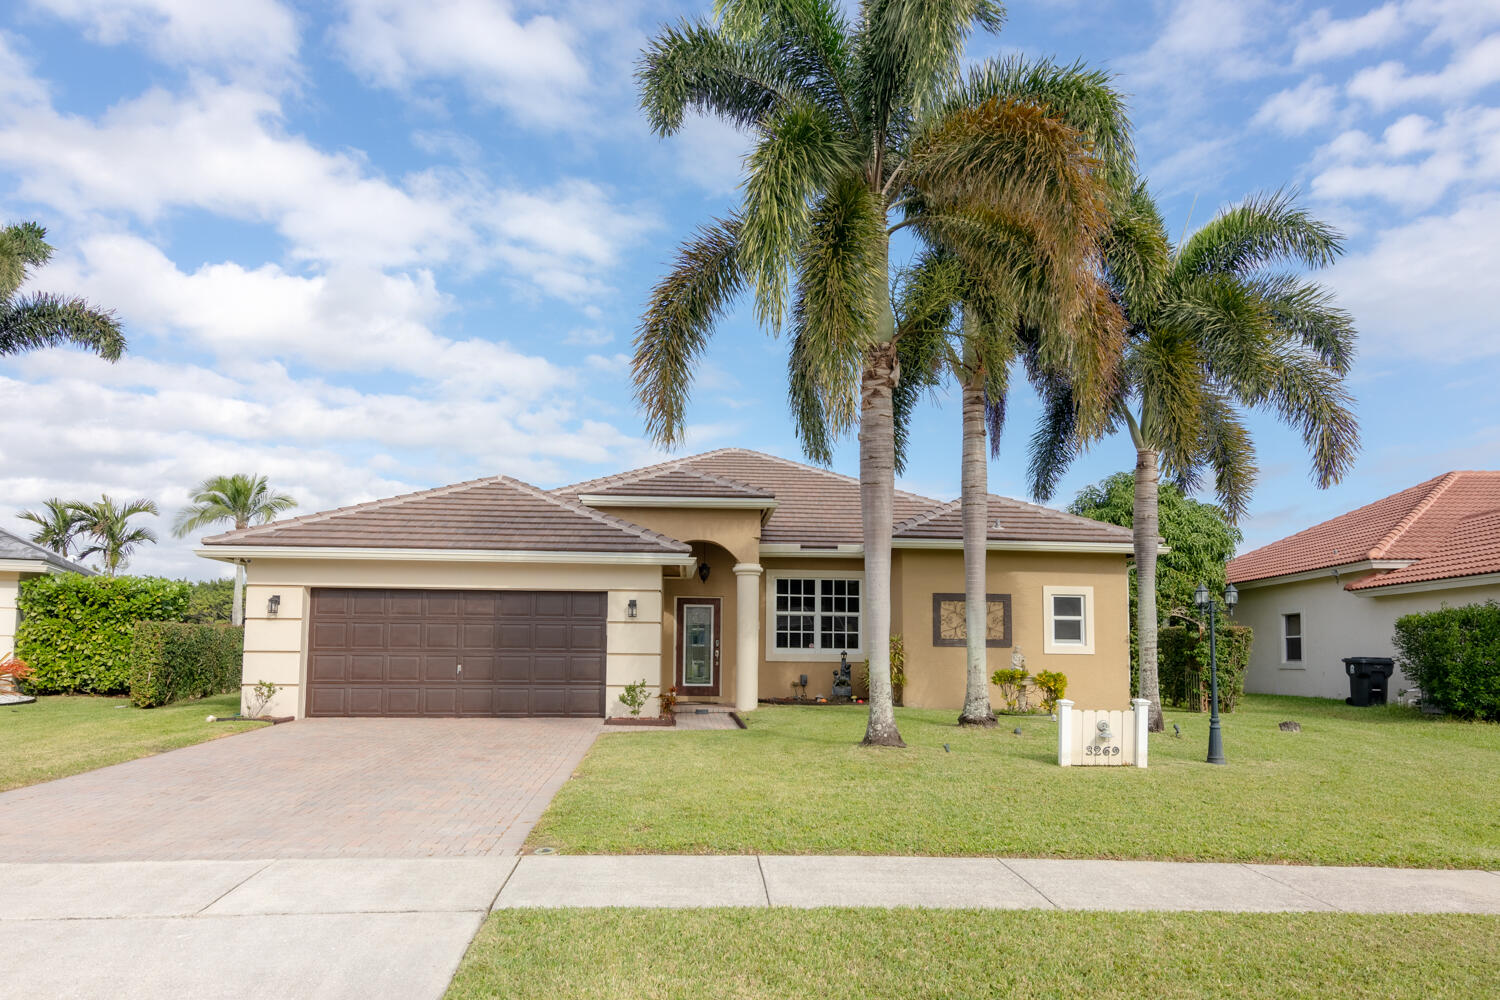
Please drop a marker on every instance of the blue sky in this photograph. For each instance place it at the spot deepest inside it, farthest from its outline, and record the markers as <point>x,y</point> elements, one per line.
<point>372,246</point>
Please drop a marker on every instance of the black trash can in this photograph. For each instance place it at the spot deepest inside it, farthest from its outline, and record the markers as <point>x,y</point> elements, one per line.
<point>1369,679</point>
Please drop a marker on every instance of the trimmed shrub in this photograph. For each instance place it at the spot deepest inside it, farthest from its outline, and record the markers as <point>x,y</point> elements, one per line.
<point>1182,664</point>
<point>170,661</point>
<point>76,630</point>
<point>1453,655</point>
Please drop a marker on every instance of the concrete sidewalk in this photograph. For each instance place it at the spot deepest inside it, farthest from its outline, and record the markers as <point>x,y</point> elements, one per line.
<point>993,883</point>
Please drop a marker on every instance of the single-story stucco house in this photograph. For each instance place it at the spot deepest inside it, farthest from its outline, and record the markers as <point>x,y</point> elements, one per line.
<point>1336,589</point>
<point>729,574</point>
<point>19,560</point>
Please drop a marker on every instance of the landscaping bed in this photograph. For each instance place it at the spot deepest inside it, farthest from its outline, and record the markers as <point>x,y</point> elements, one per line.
<point>61,735</point>
<point>1376,786</point>
<point>838,954</point>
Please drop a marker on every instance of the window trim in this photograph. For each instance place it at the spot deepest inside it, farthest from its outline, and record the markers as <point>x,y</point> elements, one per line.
<point>1300,663</point>
<point>817,654</point>
<point>1049,642</point>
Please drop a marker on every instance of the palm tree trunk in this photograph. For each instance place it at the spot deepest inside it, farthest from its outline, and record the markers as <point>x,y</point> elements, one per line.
<point>975,508</point>
<point>1147,533</point>
<point>877,488</point>
<point>237,613</point>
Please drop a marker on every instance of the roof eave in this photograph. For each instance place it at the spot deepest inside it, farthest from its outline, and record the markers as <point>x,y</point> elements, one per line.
<point>1421,586</point>
<point>236,553</point>
<point>1318,573</point>
<point>1018,545</point>
<point>41,566</point>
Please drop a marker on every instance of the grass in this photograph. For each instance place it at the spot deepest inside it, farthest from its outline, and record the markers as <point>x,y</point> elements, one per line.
<point>68,734</point>
<point>868,954</point>
<point>1382,786</point>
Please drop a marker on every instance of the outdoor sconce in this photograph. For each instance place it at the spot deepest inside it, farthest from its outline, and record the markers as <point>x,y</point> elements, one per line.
<point>703,571</point>
<point>630,608</point>
<point>1103,728</point>
<point>273,606</point>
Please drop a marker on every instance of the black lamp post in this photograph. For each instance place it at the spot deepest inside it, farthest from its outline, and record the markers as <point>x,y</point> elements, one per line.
<point>1205,602</point>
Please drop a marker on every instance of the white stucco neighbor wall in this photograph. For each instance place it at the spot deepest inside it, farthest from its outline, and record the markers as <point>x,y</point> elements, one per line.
<point>276,648</point>
<point>1335,623</point>
<point>10,586</point>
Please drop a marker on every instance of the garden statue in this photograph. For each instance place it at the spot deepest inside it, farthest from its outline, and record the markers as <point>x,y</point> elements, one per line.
<point>843,687</point>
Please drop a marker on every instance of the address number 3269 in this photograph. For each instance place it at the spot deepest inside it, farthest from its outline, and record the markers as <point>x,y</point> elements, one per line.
<point>1095,750</point>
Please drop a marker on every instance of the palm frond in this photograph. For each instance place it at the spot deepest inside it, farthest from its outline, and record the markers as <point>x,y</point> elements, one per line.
<point>1168,374</point>
<point>1309,395</point>
<point>23,246</point>
<point>677,322</point>
<point>1261,230</point>
<point>814,38</point>
<point>1306,312</point>
<point>1137,252</point>
<point>44,320</point>
<point>1226,449</point>
<point>909,52</point>
<point>696,67</point>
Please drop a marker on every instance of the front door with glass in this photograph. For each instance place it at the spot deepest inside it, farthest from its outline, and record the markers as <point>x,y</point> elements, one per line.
<point>698,645</point>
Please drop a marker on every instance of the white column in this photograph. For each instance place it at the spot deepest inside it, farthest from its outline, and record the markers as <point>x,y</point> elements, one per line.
<point>1064,732</point>
<point>746,636</point>
<point>1141,719</point>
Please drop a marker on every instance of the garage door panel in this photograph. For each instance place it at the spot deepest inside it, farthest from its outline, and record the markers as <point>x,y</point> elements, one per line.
<point>397,653</point>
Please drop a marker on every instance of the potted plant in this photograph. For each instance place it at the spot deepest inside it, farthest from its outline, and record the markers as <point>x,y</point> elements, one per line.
<point>12,671</point>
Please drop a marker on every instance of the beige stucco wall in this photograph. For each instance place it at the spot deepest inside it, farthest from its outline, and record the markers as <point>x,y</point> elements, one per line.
<point>276,648</point>
<point>936,674</point>
<point>720,584</point>
<point>1335,623</point>
<point>9,588</point>
<point>737,530</point>
<point>776,675</point>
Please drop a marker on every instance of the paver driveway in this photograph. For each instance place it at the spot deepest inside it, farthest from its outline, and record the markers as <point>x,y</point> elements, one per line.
<point>318,788</point>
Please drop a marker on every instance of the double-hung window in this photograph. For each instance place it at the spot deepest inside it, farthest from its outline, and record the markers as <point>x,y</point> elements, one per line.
<point>820,615</point>
<point>1070,619</point>
<point>1291,638</point>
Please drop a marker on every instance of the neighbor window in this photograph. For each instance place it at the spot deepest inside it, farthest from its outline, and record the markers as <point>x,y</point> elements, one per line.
<point>1070,619</point>
<point>1291,638</point>
<point>816,613</point>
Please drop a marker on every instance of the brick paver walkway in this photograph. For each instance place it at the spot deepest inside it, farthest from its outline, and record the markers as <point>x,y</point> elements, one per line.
<point>317,788</point>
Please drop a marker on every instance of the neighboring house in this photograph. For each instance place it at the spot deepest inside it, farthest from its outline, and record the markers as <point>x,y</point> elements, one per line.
<point>729,574</point>
<point>1336,589</point>
<point>19,560</point>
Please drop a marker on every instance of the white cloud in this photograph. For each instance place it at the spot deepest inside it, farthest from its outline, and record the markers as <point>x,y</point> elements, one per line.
<point>1299,109</point>
<point>1415,162</point>
<point>255,34</point>
<point>526,64</point>
<point>1219,39</point>
<point>1426,290</point>
<point>710,153</point>
<point>1390,84</point>
<point>1327,37</point>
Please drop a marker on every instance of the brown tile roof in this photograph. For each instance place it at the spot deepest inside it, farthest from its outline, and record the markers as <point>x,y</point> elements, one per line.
<point>819,508</point>
<point>494,514</point>
<point>1447,527</point>
<point>679,483</point>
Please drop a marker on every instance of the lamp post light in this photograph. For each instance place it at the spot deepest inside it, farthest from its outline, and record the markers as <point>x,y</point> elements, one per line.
<point>1205,602</point>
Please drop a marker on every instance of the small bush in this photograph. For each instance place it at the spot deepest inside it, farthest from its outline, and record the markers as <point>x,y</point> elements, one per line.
<point>1453,655</point>
<point>170,661</point>
<point>1053,686</point>
<point>76,630</point>
<point>635,696</point>
<point>1012,685</point>
<point>1182,664</point>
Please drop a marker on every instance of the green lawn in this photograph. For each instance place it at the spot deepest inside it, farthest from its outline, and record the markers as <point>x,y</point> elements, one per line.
<point>865,954</point>
<point>63,735</point>
<point>1383,786</point>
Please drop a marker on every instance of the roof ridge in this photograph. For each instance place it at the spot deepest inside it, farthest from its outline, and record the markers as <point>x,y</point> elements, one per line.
<point>575,507</point>
<point>1053,512</point>
<point>927,515</point>
<point>632,475</point>
<point>848,480</point>
<point>1423,506</point>
<point>377,504</point>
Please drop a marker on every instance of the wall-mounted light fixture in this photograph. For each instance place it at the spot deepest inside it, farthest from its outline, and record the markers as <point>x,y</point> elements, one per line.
<point>630,608</point>
<point>703,571</point>
<point>273,606</point>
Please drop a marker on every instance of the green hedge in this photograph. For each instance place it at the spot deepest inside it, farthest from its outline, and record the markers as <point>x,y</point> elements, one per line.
<point>1453,655</point>
<point>1182,664</point>
<point>76,631</point>
<point>170,661</point>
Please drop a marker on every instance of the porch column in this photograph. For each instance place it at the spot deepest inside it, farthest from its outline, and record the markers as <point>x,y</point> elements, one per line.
<point>746,636</point>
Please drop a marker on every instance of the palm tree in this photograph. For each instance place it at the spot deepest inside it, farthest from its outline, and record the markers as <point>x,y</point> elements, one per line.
<point>1215,329</point>
<point>852,123</point>
<point>242,500</point>
<point>107,524</point>
<point>41,319</point>
<point>57,525</point>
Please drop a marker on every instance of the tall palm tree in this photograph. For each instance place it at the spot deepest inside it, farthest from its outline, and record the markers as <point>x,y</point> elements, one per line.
<point>851,125</point>
<point>1216,328</point>
<point>42,319</point>
<point>57,524</point>
<point>242,500</point>
<point>111,536</point>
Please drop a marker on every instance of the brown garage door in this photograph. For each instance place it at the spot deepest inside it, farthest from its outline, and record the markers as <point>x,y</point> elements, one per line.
<point>456,652</point>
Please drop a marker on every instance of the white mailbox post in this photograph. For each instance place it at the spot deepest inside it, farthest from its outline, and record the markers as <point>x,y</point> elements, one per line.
<point>1101,738</point>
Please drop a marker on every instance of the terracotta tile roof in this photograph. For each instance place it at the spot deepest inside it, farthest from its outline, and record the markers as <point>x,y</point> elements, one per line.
<point>1014,521</point>
<point>679,483</point>
<point>817,507</point>
<point>16,547</point>
<point>494,514</point>
<point>1448,526</point>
